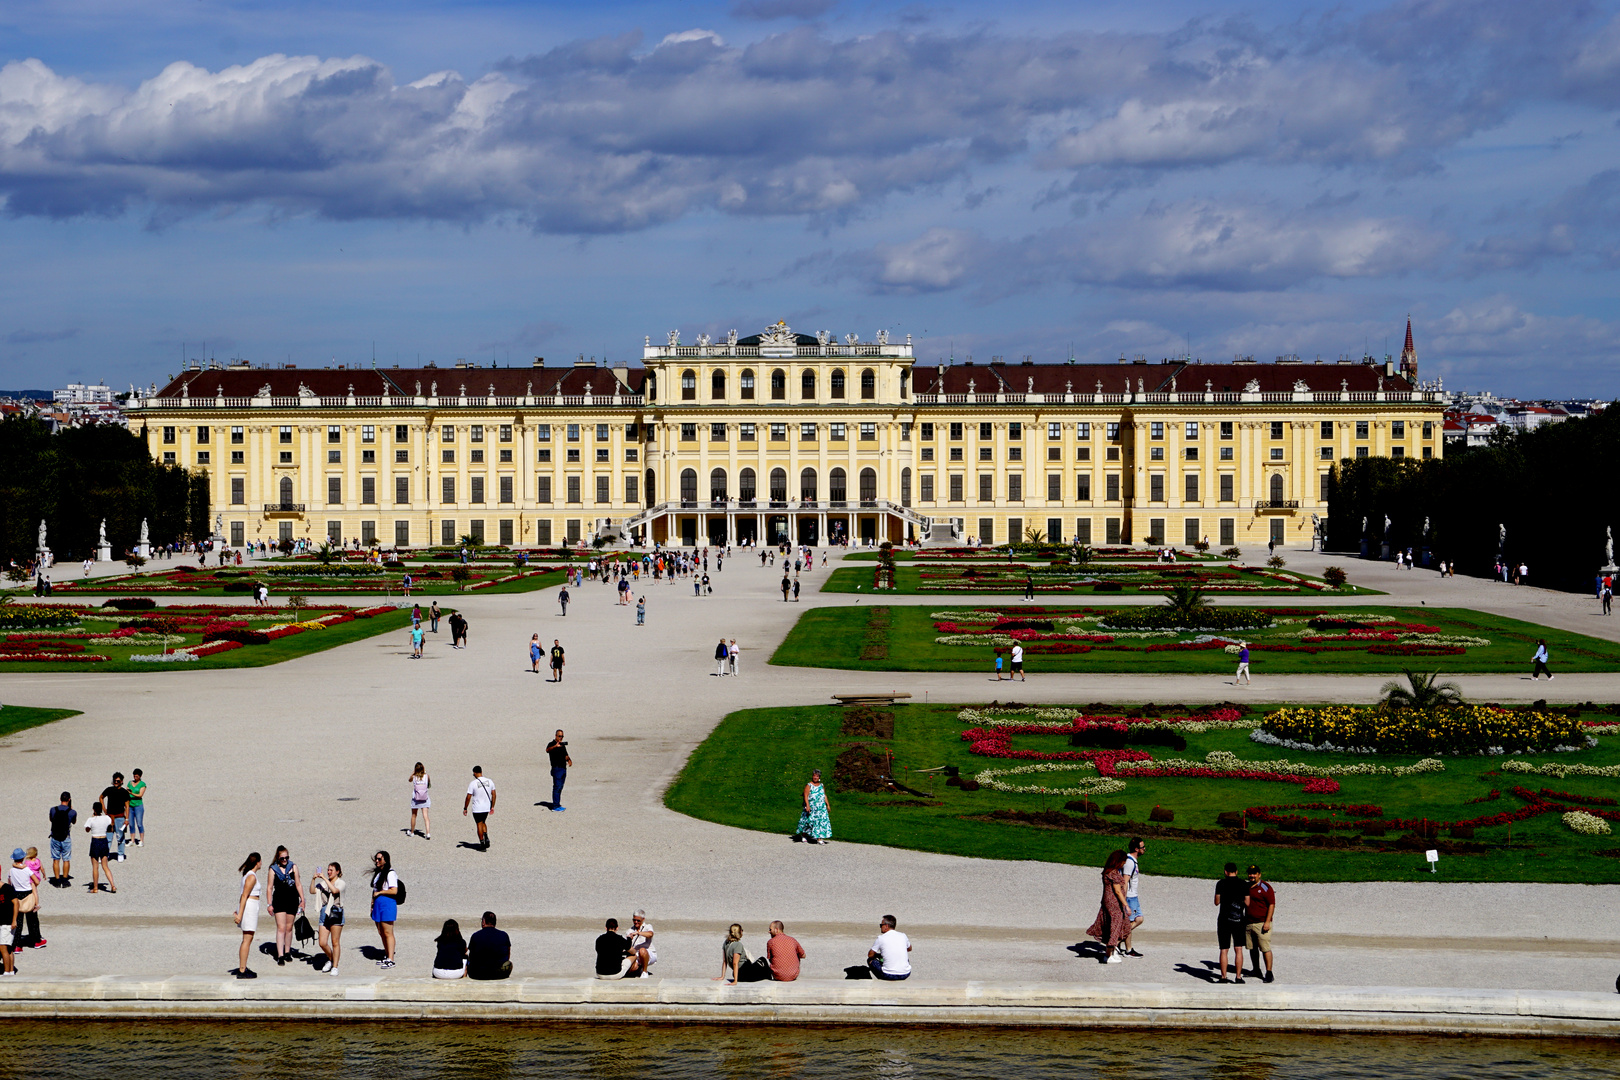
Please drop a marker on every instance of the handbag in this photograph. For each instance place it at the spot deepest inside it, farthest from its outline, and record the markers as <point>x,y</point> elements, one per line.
<point>302,930</point>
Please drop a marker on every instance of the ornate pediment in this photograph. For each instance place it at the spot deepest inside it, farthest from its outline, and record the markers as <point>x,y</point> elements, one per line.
<point>779,335</point>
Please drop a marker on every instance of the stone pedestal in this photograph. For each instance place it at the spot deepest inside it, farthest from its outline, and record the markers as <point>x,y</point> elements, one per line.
<point>104,553</point>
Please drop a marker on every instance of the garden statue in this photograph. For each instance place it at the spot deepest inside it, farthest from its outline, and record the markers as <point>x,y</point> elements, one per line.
<point>1501,539</point>
<point>42,534</point>
<point>1608,549</point>
<point>102,540</point>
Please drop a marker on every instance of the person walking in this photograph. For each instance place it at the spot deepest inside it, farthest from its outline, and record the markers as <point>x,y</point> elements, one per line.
<point>384,904</point>
<point>286,901</point>
<point>1133,873</point>
<point>787,586</point>
<point>247,913</point>
<point>562,598</point>
<point>98,827</point>
<point>1017,662</point>
<point>795,590</point>
<point>815,825</point>
<point>421,784</point>
<point>535,649</point>
<point>137,808</point>
<point>1540,661</point>
<point>1000,662</point>
<point>480,801</point>
<point>458,631</point>
<point>1243,664</point>
<point>115,800</point>
<point>722,653</point>
<point>1607,596</point>
<point>641,611</point>
<point>433,616</point>
<point>416,642</point>
<point>25,891</point>
<point>328,886</point>
<point>1262,908</point>
<point>557,751</point>
<point>62,817</point>
<point>557,660</point>
<point>1231,910</point>
<point>1113,915</point>
<point>732,653</point>
<point>8,930</point>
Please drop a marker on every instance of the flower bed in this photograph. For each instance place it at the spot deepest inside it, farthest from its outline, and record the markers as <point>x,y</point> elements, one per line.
<point>1462,729</point>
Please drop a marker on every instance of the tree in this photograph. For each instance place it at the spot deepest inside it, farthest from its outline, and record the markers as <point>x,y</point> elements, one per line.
<point>1188,603</point>
<point>1421,692</point>
<point>324,554</point>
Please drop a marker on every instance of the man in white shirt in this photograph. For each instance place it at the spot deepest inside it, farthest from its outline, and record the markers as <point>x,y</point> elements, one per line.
<point>481,801</point>
<point>1018,661</point>
<point>1133,872</point>
<point>889,955</point>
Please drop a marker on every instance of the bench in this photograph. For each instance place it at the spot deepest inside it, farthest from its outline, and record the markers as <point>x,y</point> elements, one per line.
<point>874,698</point>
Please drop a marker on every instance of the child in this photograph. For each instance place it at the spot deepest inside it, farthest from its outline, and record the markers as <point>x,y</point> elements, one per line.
<point>998,665</point>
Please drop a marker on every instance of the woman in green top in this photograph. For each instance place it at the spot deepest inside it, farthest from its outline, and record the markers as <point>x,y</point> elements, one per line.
<point>137,807</point>
<point>815,826</point>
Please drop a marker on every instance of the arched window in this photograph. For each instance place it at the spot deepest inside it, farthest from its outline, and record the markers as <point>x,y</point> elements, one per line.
<point>286,489</point>
<point>779,485</point>
<point>746,382</point>
<point>652,488</point>
<point>837,488</point>
<point>778,385</point>
<point>649,387</point>
<point>717,485</point>
<point>905,382</point>
<point>807,485</point>
<point>688,385</point>
<point>1276,487</point>
<point>688,485</point>
<point>807,385</point>
<point>745,485</point>
<point>717,386</point>
<point>868,384</point>
<point>837,382</point>
<point>905,487</point>
<point>868,485</point>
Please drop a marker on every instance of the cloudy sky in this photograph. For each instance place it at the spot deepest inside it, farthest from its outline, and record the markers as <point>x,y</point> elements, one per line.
<point>496,180</point>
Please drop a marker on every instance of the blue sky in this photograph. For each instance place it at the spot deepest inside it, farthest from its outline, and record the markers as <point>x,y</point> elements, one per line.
<point>312,182</point>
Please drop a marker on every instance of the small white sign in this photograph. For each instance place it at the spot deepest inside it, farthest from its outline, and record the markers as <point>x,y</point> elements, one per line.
<point>1432,856</point>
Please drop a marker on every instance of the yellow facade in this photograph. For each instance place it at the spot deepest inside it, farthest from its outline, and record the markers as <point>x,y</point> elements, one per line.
<point>783,436</point>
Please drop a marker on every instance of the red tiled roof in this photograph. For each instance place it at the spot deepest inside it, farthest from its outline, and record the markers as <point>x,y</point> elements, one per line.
<point>1154,378</point>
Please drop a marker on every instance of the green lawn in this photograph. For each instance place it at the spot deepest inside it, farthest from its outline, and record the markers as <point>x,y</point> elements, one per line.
<point>841,638</point>
<point>15,718</point>
<point>272,652</point>
<point>749,773</point>
<point>997,578</point>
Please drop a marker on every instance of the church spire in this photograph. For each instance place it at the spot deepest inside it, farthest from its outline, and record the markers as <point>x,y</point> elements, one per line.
<point>1409,354</point>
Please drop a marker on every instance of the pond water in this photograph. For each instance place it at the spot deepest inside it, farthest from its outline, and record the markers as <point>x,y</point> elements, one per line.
<point>502,1051</point>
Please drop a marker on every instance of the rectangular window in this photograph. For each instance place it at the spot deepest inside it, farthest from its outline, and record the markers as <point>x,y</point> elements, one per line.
<point>506,532</point>
<point>334,434</point>
<point>603,493</point>
<point>986,453</point>
<point>1082,487</point>
<point>286,458</point>
<point>506,457</point>
<point>573,433</point>
<point>868,432</point>
<point>601,433</point>
<point>1327,453</point>
<point>1054,430</point>
<point>1192,429</point>
<point>956,487</point>
<point>402,491</point>
<point>927,432</point>
<point>1083,430</point>
<point>1054,530</point>
<point>927,482</point>
<point>168,435</point>
<point>987,488</point>
<point>1397,429</point>
<point>1110,531</point>
<point>447,457</point>
<point>334,533</point>
<point>1192,453</point>
<point>1112,487</point>
<point>928,453</point>
<point>1015,487</point>
<point>631,432</point>
<point>1226,429</point>
<point>1155,534</point>
<point>987,530</point>
<point>1082,453</point>
<point>747,433</point>
<point>1228,532</point>
<point>1226,487</point>
<point>447,433</point>
<point>237,457</point>
<point>1054,487</point>
<point>1397,451</point>
<point>1156,430</point>
<point>1015,530</point>
<point>632,490</point>
<point>1192,487</point>
<point>631,454</point>
<point>1361,451</point>
<point>1015,431</point>
<point>506,489</point>
<point>1054,453</point>
<point>571,530</point>
<point>368,490</point>
<point>807,433</point>
<point>572,455</point>
<point>1428,452</point>
<point>1428,429</point>
<point>905,432</point>
<point>688,433</point>
<point>402,534</point>
<point>1327,429</point>
<point>838,432</point>
<point>368,434</point>
<point>1327,486</point>
<point>447,492</point>
<point>542,532</point>
<point>477,493</point>
<point>986,432</point>
<point>1361,429</point>
<point>236,436</point>
<point>1082,530</point>
<point>1156,488</point>
<point>477,433</point>
<point>1113,431</point>
<point>1276,429</point>
<point>334,490</point>
<point>604,454</point>
<point>1276,453</point>
<point>573,489</point>
<point>1226,453</point>
<point>542,489</point>
<point>1156,453</point>
<point>717,433</point>
<point>334,457</point>
<point>202,457</point>
<point>1190,532</point>
<point>202,435</point>
<point>956,432</point>
<point>402,433</point>
<point>238,491</point>
<point>284,435</point>
<point>778,433</point>
<point>447,533</point>
<point>238,533</point>
<point>542,433</point>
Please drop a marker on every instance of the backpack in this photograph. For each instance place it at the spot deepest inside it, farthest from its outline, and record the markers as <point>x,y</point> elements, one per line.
<point>399,889</point>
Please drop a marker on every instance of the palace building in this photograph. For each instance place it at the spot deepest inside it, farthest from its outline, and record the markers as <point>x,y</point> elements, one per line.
<point>785,437</point>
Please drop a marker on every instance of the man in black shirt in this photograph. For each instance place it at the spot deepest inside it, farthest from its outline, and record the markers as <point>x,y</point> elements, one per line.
<point>560,761</point>
<point>115,800</point>
<point>489,952</point>
<point>1231,902</point>
<point>556,660</point>
<point>611,949</point>
<point>62,817</point>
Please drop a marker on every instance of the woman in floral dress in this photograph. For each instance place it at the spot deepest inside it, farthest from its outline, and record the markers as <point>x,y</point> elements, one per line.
<point>814,824</point>
<point>1114,918</point>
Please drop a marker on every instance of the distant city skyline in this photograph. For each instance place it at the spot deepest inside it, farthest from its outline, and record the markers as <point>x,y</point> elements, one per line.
<point>494,181</point>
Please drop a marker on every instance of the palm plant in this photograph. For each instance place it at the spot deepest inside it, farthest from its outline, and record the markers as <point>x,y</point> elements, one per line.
<point>1421,692</point>
<point>1034,535</point>
<point>1188,604</point>
<point>325,554</point>
<point>1082,554</point>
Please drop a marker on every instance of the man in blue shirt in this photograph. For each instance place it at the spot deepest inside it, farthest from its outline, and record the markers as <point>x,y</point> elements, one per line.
<point>489,952</point>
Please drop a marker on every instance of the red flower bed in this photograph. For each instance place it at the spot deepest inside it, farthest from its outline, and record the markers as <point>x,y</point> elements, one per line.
<point>1417,650</point>
<point>1589,800</point>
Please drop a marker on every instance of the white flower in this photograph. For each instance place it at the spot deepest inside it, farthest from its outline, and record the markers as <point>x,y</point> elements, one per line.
<point>1589,824</point>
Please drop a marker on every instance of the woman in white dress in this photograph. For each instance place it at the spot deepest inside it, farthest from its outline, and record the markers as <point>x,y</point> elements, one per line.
<point>247,912</point>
